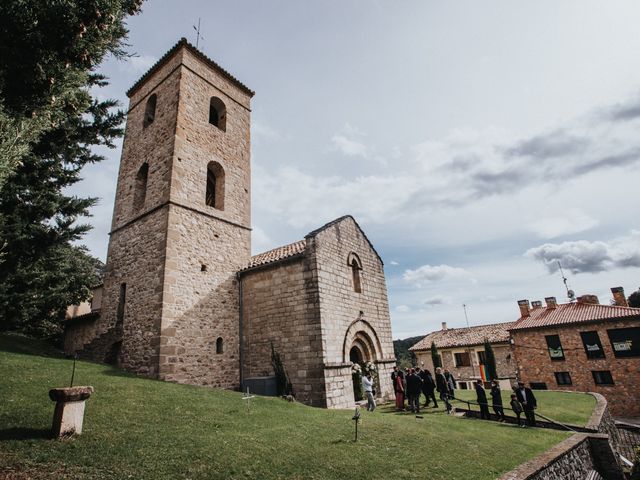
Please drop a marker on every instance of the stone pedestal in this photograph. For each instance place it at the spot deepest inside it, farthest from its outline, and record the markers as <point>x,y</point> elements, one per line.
<point>69,412</point>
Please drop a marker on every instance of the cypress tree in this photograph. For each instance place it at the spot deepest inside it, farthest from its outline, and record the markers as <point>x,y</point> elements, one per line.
<point>434,356</point>
<point>491,361</point>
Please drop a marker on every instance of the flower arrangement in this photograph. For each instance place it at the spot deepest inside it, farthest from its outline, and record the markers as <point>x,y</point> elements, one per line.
<point>369,367</point>
<point>355,368</point>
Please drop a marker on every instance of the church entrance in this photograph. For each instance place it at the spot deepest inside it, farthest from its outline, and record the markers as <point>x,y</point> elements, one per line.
<point>362,358</point>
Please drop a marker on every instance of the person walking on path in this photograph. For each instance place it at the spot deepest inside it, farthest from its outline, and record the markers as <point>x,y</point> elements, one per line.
<point>517,409</point>
<point>496,400</point>
<point>414,385</point>
<point>529,404</point>
<point>443,389</point>
<point>451,382</point>
<point>428,386</point>
<point>482,401</point>
<point>367,384</point>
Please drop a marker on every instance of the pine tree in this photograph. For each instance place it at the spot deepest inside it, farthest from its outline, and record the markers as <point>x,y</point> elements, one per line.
<point>48,123</point>
<point>490,358</point>
<point>434,356</point>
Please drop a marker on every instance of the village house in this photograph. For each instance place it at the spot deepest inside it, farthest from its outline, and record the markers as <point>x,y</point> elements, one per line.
<point>581,346</point>
<point>462,352</point>
<point>183,300</point>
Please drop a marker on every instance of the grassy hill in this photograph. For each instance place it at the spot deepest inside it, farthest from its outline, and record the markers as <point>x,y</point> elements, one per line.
<point>145,429</point>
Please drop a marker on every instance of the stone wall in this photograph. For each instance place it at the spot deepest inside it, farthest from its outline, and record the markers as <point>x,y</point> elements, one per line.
<point>280,307</point>
<point>535,365</point>
<point>505,364</point>
<point>346,314</point>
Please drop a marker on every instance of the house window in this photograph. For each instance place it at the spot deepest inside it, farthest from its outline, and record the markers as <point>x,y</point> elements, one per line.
<point>602,377</point>
<point>555,347</point>
<point>482,357</point>
<point>625,342</point>
<point>140,192</point>
<point>356,266</point>
<point>462,359</point>
<point>219,346</point>
<point>592,345</point>
<point>150,111</point>
<point>215,186</point>
<point>563,378</point>
<point>218,113</point>
<point>538,386</point>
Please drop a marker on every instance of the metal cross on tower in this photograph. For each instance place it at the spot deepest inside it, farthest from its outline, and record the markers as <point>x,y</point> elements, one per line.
<point>198,36</point>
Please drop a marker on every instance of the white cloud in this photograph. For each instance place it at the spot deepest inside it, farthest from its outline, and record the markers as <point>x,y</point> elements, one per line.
<point>438,300</point>
<point>138,64</point>
<point>403,308</point>
<point>586,256</point>
<point>393,262</point>
<point>349,142</point>
<point>572,221</point>
<point>435,273</point>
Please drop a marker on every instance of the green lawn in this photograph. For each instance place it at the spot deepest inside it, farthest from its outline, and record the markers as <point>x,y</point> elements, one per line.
<point>144,429</point>
<point>564,407</point>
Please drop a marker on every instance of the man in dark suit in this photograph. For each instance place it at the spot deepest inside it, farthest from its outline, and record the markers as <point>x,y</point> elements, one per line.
<point>529,404</point>
<point>482,400</point>
<point>443,389</point>
<point>428,386</point>
<point>414,386</point>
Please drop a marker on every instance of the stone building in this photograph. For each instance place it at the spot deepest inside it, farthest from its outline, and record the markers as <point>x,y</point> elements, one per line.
<point>581,346</point>
<point>461,351</point>
<point>183,300</point>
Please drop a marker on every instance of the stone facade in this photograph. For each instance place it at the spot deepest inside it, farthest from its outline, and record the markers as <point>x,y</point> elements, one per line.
<point>535,365</point>
<point>308,308</point>
<point>180,284</point>
<point>505,365</point>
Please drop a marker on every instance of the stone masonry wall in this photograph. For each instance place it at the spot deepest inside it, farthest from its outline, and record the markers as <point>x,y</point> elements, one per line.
<point>206,246</point>
<point>535,365</point>
<point>200,301</point>
<point>280,306</point>
<point>341,307</point>
<point>505,364</point>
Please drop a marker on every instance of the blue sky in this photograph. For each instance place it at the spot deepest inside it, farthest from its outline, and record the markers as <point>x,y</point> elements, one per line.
<point>475,142</point>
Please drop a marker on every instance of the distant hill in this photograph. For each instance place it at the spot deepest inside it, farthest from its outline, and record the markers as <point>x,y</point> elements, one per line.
<point>404,357</point>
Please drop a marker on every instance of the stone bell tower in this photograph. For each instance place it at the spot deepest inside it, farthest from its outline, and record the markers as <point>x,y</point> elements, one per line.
<point>181,223</point>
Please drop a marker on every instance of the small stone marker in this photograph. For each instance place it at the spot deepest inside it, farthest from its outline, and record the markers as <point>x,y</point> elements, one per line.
<point>356,418</point>
<point>69,412</point>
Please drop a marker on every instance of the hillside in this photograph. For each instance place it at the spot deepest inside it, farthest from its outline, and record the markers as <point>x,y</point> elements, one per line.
<point>404,357</point>
<point>140,428</point>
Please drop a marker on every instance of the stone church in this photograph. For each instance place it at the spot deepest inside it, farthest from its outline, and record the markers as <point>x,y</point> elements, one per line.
<point>183,300</point>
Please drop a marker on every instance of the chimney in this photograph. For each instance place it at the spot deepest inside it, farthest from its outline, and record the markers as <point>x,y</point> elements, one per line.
<point>524,308</point>
<point>618,296</point>
<point>536,304</point>
<point>589,299</point>
<point>551,302</point>
<point>444,325</point>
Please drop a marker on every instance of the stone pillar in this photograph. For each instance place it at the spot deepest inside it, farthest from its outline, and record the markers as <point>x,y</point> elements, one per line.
<point>69,412</point>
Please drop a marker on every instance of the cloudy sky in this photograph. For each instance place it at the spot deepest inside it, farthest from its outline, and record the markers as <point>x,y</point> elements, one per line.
<point>475,142</point>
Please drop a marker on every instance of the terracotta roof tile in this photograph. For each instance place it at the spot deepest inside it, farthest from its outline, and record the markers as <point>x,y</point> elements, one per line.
<point>569,313</point>
<point>277,254</point>
<point>462,337</point>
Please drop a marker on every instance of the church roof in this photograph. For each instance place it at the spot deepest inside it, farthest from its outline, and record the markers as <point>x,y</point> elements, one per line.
<point>298,248</point>
<point>464,337</point>
<point>277,254</point>
<point>184,43</point>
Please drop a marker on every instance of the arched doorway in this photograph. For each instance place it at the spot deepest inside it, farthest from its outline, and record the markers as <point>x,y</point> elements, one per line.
<point>362,356</point>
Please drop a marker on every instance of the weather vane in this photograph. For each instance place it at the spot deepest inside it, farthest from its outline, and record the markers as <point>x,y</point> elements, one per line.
<point>198,36</point>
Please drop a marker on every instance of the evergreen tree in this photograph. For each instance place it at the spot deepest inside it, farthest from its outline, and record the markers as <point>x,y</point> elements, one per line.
<point>48,123</point>
<point>434,356</point>
<point>634,299</point>
<point>490,358</point>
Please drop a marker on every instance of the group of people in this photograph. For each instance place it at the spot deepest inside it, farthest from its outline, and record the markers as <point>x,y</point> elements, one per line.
<point>410,383</point>
<point>408,386</point>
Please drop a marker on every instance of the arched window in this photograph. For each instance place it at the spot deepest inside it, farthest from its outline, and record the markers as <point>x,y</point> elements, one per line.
<point>215,186</point>
<point>218,113</point>
<point>140,192</point>
<point>150,111</point>
<point>219,345</point>
<point>356,266</point>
